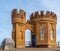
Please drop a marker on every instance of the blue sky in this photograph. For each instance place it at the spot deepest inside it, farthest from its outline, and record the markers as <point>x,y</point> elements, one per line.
<point>6,6</point>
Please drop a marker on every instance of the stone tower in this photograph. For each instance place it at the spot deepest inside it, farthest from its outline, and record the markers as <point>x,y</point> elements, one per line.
<point>42,26</point>
<point>18,21</point>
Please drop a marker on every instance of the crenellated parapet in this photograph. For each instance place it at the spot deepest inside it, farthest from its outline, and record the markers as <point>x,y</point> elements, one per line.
<point>18,17</point>
<point>21,13</point>
<point>48,14</point>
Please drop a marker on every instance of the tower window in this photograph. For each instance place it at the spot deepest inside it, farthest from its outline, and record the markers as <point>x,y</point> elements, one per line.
<point>52,34</point>
<point>42,33</point>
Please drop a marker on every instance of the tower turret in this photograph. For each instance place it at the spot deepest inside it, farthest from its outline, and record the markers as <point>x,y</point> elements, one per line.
<point>18,21</point>
<point>44,28</point>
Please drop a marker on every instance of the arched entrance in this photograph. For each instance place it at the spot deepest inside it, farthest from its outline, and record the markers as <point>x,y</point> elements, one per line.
<point>27,38</point>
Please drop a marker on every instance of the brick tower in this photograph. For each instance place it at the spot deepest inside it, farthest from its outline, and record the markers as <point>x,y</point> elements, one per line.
<point>42,26</point>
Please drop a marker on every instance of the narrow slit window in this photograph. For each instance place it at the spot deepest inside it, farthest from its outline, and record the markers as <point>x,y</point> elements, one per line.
<point>21,35</point>
<point>52,34</point>
<point>42,33</point>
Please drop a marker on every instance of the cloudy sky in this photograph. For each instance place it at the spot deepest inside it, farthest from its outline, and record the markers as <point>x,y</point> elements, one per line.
<point>6,6</point>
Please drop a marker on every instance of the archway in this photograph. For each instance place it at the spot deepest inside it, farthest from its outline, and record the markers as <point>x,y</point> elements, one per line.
<point>27,38</point>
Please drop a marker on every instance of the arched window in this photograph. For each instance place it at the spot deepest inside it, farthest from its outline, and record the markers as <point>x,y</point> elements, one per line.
<point>52,33</point>
<point>42,33</point>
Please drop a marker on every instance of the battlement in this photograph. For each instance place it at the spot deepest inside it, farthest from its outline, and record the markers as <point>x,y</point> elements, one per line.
<point>21,13</point>
<point>48,14</point>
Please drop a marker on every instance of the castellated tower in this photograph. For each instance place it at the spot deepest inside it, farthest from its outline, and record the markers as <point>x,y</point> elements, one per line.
<point>42,26</point>
<point>18,21</point>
